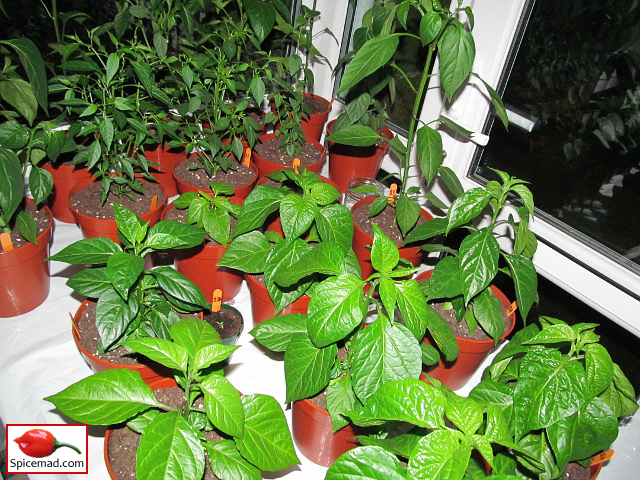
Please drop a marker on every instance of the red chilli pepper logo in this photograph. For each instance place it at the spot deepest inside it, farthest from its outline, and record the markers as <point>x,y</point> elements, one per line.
<point>39,443</point>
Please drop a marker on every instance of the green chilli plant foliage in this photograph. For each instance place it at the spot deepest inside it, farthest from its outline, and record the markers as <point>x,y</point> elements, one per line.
<point>329,349</point>
<point>308,211</point>
<point>23,147</point>
<point>253,431</point>
<point>133,302</point>
<point>462,279</point>
<point>561,397</point>
<point>424,431</point>
<point>441,33</point>
<point>211,212</point>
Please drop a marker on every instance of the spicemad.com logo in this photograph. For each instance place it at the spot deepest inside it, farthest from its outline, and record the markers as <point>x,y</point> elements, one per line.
<point>46,448</point>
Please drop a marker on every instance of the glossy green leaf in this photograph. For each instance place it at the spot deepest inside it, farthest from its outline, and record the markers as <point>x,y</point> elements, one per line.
<point>388,293</point>
<point>356,135</point>
<point>18,93</point>
<point>297,215</point>
<point>177,285</point>
<point>413,307</point>
<point>429,151</point>
<point>340,400</point>
<point>525,281</point>
<point>384,253</point>
<point>210,354</point>
<point>123,270</point>
<point>223,405</point>
<point>248,253</point>
<point>33,65</point>
<point>113,316</point>
<point>173,234</point>
<point>478,259</point>
<point>276,333</point>
<point>13,135</point>
<point>335,224</point>
<point>467,207</point>
<point>325,258</point>
<point>445,281</point>
<point>451,180</point>
<point>323,193</point>
<point>87,251</point>
<point>370,57</point>
<point>27,227</point>
<point>129,224</point>
<point>367,463</point>
<point>407,213</point>
<point>282,257</point>
<point>487,310</point>
<point>105,398</point>
<point>90,282</point>
<point>558,333</point>
<point>217,224</point>
<point>442,334</point>
<point>169,448</point>
<point>226,462</point>
<point>439,456</point>
<point>307,369</point>
<point>259,204</point>
<point>194,334</point>
<point>11,189</point>
<point>107,132</point>
<point>620,395</point>
<point>465,413</point>
<point>262,17</point>
<point>457,52</point>
<point>166,353</point>
<point>525,195</point>
<point>430,25</point>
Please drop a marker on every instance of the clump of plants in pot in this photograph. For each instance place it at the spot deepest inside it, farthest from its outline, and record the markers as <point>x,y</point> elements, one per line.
<point>174,432</point>
<point>560,395</point>
<point>371,63</point>
<point>309,212</point>
<point>131,302</point>
<point>460,284</point>
<point>332,362</point>
<point>424,431</point>
<point>25,225</point>
<point>216,214</point>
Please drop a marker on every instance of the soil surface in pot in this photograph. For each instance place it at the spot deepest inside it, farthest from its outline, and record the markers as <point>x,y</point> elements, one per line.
<point>227,322</point>
<point>199,178</point>
<point>270,150</point>
<point>316,105</point>
<point>87,200</point>
<point>123,443</point>
<point>42,219</point>
<point>182,216</point>
<point>575,471</point>
<point>385,220</point>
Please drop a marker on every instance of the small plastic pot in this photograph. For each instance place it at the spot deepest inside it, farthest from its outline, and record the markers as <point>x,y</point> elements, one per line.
<point>24,275</point>
<point>362,243</point>
<point>165,158</point>
<point>65,178</point>
<point>312,431</point>
<point>313,126</point>
<point>262,306</point>
<point>265,166</point>
<point>455,374</point>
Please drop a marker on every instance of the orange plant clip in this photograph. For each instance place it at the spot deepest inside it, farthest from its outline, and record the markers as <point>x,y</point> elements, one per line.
<point>154,202</point>
<point>296,164</point>
<point>246,158</point>
<point>5,240</point>
<point>512,308</point>
<point>602,457</point>
<point>216,301</point>
<point>393,189</point>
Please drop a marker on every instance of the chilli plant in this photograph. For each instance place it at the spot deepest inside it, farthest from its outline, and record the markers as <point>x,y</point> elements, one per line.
<point>174,443</point>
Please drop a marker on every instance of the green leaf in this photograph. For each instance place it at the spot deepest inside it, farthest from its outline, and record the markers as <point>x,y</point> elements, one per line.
<point>105,398</point>
<point>620,395</point>
<point>90,282</point>
<point>467,207</point>
<point>257,89</point>
<point>259,204</point>
<point>297,215</point>
<point>113,64</point>
<point>439,456</point>
<point>525,281</point>
<point>129,225</point>
<point>430,25</point>
<point>325,258</point>
<point>210,354</point>
<point>429,151</point>
<point>177,285</point>
<point>248,253</point>
<point>159,350</point>
<point>356,135</point>
<point>384,253</point>
<point>441,333</point>
<point>226,462</point>
<point>465,413</point>
<point>457,51</point>
<point>307,369</point>
<point>276,333</point>
<point>445,281</point>
<point>388,294</point>
<point>262,17</point>
<point>451,180</point>
<point>33,65</point>
<point>217,223</point>
<point>384,352</point>
<point>194,334</point>
<point>413,307</point>
<point>169,448</point>
<point>13,135</point>
<point>407,213</point>
<point>372,55</point>
<point>367,463</point>
<point>266,441</point>
<point>334,224</point>
<point>87,251</point>
<point>27,227</point>
<point>479,253</point>
<point>11,188</point>
<point>336,308</point>
<point>113,316</point>
<point>18,93</point>
<point>323,193</point>
<point>487,310</point>
<point>223,405</point>
<point>340,400</point>
<point>123,270</point>
<point>283,256</point>
<point>525,194</point>
<point>107,132</point>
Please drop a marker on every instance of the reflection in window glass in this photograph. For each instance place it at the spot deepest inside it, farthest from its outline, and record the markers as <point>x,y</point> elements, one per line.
<point>574,95</point>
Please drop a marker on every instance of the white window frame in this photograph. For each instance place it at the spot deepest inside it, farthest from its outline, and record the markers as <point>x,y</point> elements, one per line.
<point>569,263</point>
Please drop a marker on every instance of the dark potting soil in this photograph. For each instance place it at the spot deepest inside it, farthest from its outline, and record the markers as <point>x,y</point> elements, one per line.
<point>87,200</point>
<point>199,178</point>
<point>316,105</point>
<point>270,150</point>
<point>227,322</point>
<point>123,442</point>
<point>384,220</point>
<point>575,471</point>
<point>182,216</point>
<point>42,219</point>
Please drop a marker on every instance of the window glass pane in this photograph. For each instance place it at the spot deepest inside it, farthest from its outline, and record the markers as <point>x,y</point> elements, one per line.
<point>574,94</point>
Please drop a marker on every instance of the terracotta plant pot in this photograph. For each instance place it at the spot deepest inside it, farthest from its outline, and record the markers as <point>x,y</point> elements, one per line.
<point>265,167</point>
<point>65,178</point>
<point>166,158</point>
<point>24,275</point>
<point>241,191</point>
<point>105,227</point>
<point>149,373</point>
<point>347,162</point>
<point>361,240</point>
<point>200,265</point>
<point>313,126</point>
<point>263,308</point>
<point>472,352</point>
<point>313,433</point>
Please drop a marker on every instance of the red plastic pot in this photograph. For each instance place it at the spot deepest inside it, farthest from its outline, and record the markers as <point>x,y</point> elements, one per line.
<point>240,192</point>
<point>105,227</point>
<point>265,167</point>
<point>262,306</point>
<point>166,158</point>
<point>455,374</point>
<point>148,372</point>
<point>313,433</point>
<point>24,275</point>
<point>200,265</point>
<point>347,162</point>
<point>313,126</point>
<point>65,178</point>
<point>361,240</point>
